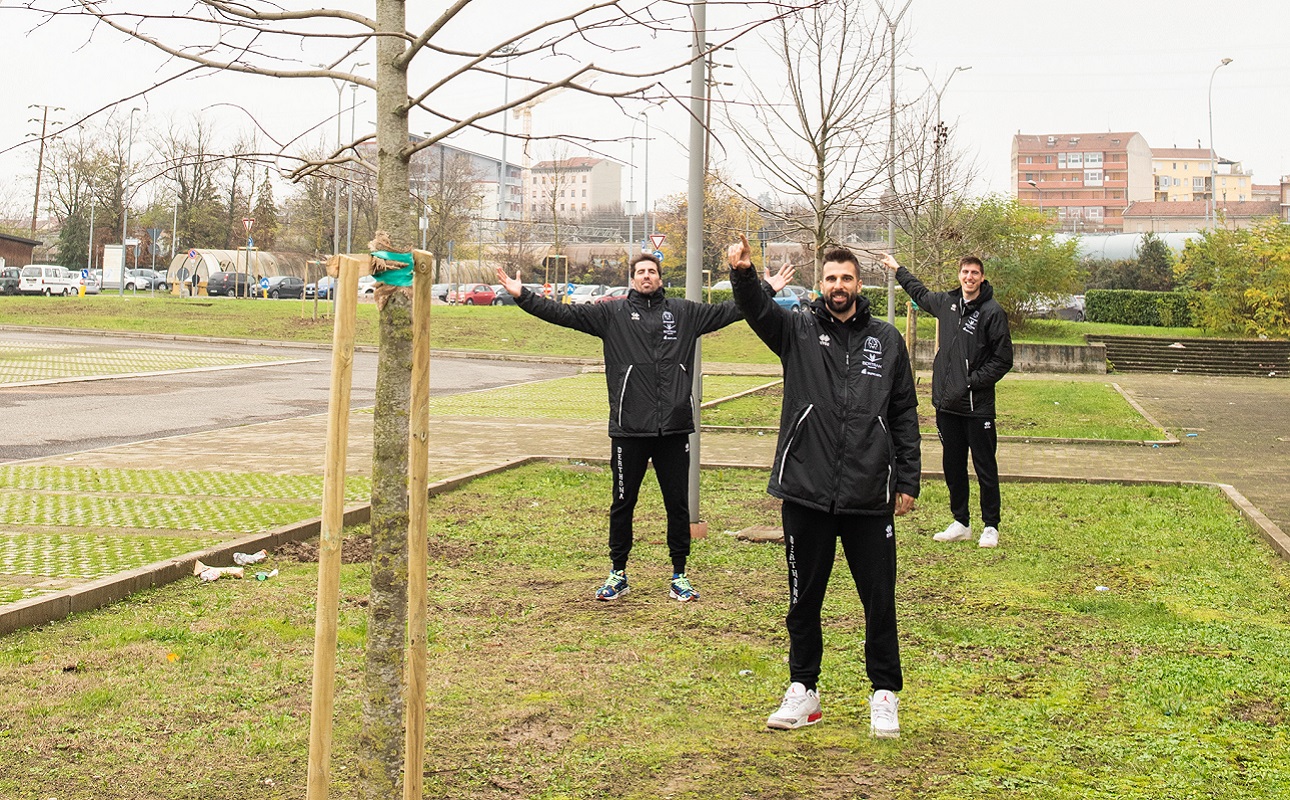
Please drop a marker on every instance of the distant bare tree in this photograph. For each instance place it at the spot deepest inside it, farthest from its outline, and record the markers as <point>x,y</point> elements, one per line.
<point>820,132</point>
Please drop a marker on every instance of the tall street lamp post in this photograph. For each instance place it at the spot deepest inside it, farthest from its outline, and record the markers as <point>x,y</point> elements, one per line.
<point>892,23</point>
<point>40,159</point>
<point>941,133</point>
<point>1213,178</point>
<point>125,201</point>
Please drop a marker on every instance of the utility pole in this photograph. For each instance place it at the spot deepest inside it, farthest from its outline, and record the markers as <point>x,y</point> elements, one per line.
<point>125,202</point>
<point>694,234</point>
<point>40,159</point>
<point>891,158</point>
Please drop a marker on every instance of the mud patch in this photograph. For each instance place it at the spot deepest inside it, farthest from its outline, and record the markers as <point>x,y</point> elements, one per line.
<point>358,550</point>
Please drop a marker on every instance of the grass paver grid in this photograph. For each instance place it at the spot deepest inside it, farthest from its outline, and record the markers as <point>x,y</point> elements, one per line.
<point>88,556</point>
<point>180,485</point>
<point>18,366</point>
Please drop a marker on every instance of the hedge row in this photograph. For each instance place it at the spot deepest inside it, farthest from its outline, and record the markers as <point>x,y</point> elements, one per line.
<point>1132,307</point>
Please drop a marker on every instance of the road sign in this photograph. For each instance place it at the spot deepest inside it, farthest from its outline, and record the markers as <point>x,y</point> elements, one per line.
<point>247,222</point>
<point>264,283</point>
<point>131,242</point>
<point>658,254</point>
<point>85,274</point>
<point>192,254</point>
<point>657,239</point>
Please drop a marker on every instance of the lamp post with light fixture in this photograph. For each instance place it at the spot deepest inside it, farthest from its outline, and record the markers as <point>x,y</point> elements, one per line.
<point>1213,178</point>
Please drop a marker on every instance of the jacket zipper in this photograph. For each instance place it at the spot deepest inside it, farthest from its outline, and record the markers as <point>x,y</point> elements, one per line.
<point>623,394</point>
<point>967,369</point>
<point>789,446</point>
<point>889,455</point>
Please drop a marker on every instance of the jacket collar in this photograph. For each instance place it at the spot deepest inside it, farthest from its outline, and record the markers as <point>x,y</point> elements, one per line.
<point>648,300</point>
<point>860,319</point>
<point>986,293</point>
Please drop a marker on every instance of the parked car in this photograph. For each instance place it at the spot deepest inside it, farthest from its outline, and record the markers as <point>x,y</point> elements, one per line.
<point>803,293</point>
<point>285,286</point>
<point>587,293</point>
<point>1068,307</point>
<point>440,291</point>
<point>503,298</point>
<point>47,279</point>
<point>472,294</point>
<point>366,286</point>
<point>92,284</point>
<point>616,293</point>
<point>144,279</point>
<point>229,284</point>
<point>787,298</point>
<point>323,288</point>
<point>9,278</point>
<point>721,286</point>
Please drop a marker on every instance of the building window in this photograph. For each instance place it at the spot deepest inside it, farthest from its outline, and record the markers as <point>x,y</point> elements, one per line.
<point>1074,160</point>
<point>1029,160</point>
<point>1197,183</point>
<point>584,178</point>
<point>1061,160</point>
<point>1092,159</point>
<point>1030,176</point>
<point>1092,177</point>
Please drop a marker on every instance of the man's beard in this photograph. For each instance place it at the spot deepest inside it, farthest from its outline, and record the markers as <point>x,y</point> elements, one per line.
<point>840,307</point>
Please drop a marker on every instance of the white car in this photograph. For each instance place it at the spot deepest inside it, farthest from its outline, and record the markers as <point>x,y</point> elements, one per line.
<point>366,286</point>
<point>48,279</point>
<point>586,294</point>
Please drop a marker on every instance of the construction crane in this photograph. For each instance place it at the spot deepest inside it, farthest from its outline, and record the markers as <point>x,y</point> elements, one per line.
<point>525,113</point>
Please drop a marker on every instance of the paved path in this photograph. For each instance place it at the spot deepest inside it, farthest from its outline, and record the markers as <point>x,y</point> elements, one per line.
<point>1242,427</point>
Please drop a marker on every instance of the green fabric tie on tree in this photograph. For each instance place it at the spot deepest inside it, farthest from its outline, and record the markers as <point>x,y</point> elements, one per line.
<point>395,277</point>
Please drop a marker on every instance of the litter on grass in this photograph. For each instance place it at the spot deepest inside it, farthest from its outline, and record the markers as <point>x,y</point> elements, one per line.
<point>243,559</point>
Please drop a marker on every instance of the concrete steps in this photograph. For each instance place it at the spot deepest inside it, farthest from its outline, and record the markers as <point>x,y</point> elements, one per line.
<point>1250,357</point>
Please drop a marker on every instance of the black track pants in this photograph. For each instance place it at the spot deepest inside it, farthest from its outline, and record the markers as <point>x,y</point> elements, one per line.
<point>869,544</point>
<point>628,459</point>
<point>959,435</point>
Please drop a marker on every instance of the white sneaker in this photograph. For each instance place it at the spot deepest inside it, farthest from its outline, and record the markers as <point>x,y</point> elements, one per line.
<point>801,707</point>
<point>956,532</point>
<point>883,721</point>
<point>989,537</point>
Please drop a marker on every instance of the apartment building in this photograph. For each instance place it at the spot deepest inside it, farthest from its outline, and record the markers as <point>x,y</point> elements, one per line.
<point>498,187</point>
<point>1085,180</point>
<point>573,186</point>
<point>1182,174</point>
<point>1187,216</point>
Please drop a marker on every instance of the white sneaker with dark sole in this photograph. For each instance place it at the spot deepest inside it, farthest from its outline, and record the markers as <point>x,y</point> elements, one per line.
<point>989,537</point>
<point>801,707</point>
<point>883,720</point>
<point>956,532</point>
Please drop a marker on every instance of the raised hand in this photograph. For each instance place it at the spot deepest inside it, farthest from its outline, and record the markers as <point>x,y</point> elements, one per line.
<point>512,286</point>
<point>740,255</point>
<point>889,262</point>
<point>780,279</point>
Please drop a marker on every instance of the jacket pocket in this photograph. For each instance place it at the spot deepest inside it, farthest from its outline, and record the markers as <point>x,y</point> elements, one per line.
<point>794,438</point>
<point>622,393</point>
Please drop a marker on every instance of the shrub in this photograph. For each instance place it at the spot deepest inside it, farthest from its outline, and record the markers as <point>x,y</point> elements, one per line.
<point>1131,307</point>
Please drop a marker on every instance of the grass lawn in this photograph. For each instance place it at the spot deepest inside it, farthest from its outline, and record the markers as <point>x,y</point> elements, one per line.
<point>1049,408</point>
<point>503,328</point>
<point>1022,679</point>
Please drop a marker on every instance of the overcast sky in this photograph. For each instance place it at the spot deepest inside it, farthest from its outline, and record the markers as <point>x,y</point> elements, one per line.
<point>1040,68</point>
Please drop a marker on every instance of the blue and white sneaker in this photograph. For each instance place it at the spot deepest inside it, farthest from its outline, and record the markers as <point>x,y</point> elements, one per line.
<point>615,586</point>
<point>681,588</point>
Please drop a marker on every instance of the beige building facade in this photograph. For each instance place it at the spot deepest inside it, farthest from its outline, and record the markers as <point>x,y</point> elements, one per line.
<point>1183,174</point>
<point>572,186</point>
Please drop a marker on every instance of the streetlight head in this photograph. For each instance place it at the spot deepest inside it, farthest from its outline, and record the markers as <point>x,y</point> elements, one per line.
<point>1225,62</point>
<point>1033,185</point>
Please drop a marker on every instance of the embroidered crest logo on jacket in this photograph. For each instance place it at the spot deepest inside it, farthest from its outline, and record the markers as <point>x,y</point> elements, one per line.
<point>871,358</point>
<point>669,326</point>
<point>825,341</point>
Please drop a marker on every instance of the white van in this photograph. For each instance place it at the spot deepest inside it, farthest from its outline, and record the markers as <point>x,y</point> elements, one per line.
<point>47,279</point>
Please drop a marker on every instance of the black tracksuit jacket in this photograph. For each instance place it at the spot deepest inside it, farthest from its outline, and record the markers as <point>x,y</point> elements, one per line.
<point>649,351</point>
<point>848,430</point>
<point>976,346</point>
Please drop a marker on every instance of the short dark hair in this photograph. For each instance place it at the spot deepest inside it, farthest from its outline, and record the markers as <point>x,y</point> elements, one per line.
<point>965,260</point>
<point>644,257</point>
<point>841,255</point>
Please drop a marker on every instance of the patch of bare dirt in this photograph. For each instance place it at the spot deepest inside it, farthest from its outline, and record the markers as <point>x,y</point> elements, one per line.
<point>358,550</point>
<point>1258,710</point>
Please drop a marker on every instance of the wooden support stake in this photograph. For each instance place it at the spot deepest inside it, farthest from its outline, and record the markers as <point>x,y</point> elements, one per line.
<point>418,482</point>
<point>333,522</point>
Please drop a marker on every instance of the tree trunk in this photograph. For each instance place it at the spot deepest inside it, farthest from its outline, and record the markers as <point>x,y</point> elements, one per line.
<point>381,759</point>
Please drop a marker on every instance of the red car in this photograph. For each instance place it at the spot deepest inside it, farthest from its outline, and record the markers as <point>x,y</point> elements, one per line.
<point>472,294</point>
<point>616,293</point>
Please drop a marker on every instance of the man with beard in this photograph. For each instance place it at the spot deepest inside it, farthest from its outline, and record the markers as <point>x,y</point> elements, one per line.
<point>975,354</point>
<point>649,343</point>
<point>847,464</point>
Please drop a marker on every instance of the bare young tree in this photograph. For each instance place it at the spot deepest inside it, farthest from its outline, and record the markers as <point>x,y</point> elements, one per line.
<point>607,50</point>
<point>820,133</point>
<point>451,195</point>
